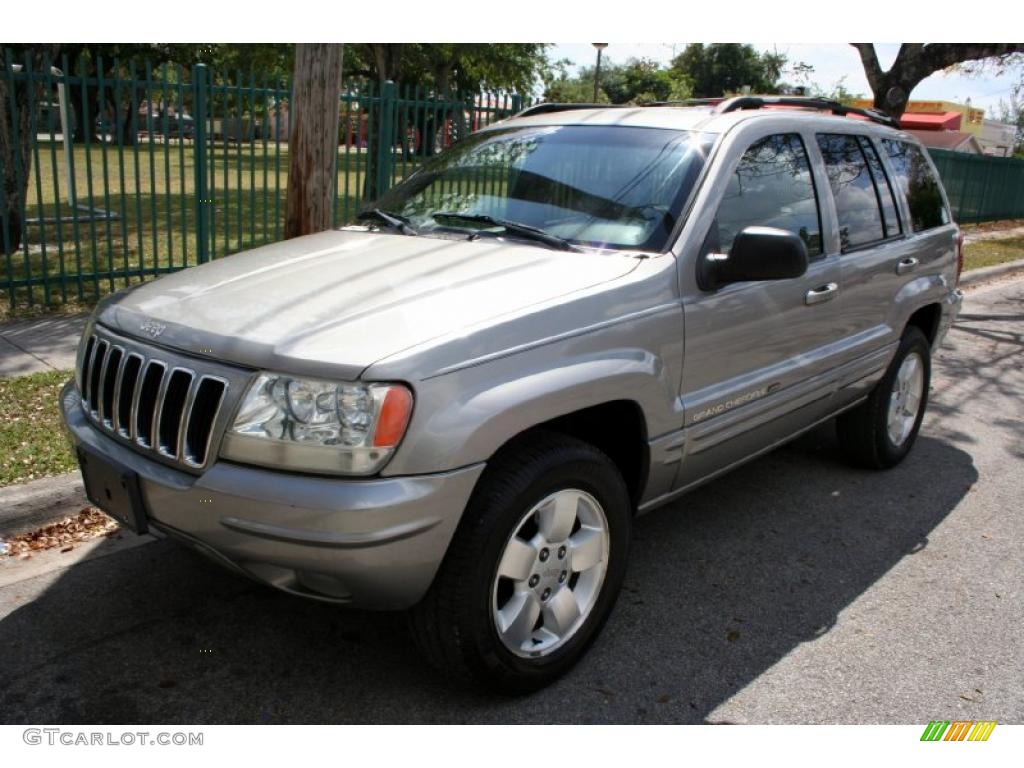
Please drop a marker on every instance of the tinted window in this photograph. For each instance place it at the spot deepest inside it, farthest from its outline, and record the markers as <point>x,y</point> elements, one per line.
<point>918,182</point>
<point>860,218</point>
<point>772,187</point>
<point>886,196</point>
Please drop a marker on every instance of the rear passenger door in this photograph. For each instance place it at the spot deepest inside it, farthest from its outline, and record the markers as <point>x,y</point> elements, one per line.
<point>876,256</point>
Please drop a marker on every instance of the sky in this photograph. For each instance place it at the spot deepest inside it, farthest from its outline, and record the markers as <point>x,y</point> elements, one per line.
<point>831,62</point>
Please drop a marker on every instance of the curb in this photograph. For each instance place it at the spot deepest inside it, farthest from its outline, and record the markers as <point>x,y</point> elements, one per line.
<point>984,274</point>
<point>29,506</point>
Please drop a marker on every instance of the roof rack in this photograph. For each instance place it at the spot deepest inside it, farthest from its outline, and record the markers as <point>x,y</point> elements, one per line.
<point>806,102</point>
<point>550,106</point>
<point>731,104</point>
<point>710,102</point>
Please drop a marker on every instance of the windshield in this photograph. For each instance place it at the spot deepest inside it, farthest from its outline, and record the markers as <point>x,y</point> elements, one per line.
<point>602,186</point>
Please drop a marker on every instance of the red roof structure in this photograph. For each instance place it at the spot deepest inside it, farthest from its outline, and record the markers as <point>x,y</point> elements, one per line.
<point>931,121</point>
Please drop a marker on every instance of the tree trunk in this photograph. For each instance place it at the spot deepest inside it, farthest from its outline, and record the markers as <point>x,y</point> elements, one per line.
<point>16,152</point>
<point>313,141</point>
<point>914,62</point>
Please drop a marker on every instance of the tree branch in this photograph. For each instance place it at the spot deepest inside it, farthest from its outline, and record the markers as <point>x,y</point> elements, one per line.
<point>872,69</point>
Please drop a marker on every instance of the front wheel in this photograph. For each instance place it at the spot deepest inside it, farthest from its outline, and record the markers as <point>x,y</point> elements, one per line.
<point>534,568</point>
<point>880,432</point>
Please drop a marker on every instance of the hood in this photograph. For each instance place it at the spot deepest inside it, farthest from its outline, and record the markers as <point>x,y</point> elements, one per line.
<point>333,303</point>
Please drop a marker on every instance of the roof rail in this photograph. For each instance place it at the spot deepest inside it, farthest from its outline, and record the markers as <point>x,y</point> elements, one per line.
<point>806,102</point>
<point>688,103</point>
<point>550,106</point>
<point>731,104</point>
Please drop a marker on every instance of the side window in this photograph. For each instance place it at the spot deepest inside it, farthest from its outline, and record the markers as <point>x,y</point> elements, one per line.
<point>857,200</point>
<point>772,187</point>
<point>886,195</point>
<point>919,184</point>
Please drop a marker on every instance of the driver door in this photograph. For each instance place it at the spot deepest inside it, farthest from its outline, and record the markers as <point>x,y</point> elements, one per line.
<point>759,357</point>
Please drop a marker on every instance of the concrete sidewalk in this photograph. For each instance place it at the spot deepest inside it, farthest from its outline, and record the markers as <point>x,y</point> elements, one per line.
<point>42,344</point>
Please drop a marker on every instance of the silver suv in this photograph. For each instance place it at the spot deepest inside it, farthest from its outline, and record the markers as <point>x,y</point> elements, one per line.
<point>571,317</point>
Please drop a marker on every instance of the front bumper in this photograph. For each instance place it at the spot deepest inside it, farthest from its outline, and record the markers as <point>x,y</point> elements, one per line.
<point>369,543</point>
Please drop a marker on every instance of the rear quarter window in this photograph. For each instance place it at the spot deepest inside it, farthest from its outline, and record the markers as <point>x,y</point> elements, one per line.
<point>914,175</point>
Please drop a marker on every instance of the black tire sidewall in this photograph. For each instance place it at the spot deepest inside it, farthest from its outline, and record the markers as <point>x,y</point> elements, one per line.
<point>913,341</point>
<point>588,471</point>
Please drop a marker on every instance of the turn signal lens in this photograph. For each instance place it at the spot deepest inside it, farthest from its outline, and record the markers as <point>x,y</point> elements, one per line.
<point>394,417</point>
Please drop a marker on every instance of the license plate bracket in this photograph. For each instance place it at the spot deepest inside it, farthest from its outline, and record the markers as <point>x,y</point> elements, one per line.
<point>113,488</point>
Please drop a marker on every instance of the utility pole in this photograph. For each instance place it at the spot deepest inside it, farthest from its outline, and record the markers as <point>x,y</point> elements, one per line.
<point>313,139</point>
<point>597,70</point>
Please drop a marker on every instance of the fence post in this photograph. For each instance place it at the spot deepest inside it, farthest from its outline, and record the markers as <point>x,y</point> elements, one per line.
<point>517,103</point>
<point>386,136</point>
<point>200,83</point>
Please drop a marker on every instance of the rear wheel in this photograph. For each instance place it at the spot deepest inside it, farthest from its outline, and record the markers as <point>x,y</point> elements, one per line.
<point>534,568</point>
<point>880,432</point>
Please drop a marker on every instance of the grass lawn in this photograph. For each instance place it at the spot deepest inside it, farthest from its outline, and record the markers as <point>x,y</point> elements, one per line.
<point>150,188</point>
<point>986,253</point>
<point>32,440</point>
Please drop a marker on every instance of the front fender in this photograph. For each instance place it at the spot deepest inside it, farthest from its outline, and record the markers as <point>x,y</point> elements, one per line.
<point>463,417</point>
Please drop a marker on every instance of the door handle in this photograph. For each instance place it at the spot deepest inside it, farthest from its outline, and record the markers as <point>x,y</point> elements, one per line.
<point>907,265</point>
<point>822,293</point>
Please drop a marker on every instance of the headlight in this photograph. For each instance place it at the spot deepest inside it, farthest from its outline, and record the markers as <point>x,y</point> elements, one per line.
<point>333,427</point>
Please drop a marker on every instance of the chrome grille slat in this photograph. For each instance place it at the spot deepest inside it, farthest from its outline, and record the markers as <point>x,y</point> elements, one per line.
<point>125,429</point>
<point>117,391</point>
<point>117,354</point>
<point>167,410</point>
<point>127,386</point>
<point>154,434</point>
<point>133,419</point>
<point>99,354</point>
<point>186,414</point>
<point>88,360</point>
<point>145,413</point>
<point>191,459</point>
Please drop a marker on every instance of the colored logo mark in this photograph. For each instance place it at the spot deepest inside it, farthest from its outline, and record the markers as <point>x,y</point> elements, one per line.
<point>958,730</point>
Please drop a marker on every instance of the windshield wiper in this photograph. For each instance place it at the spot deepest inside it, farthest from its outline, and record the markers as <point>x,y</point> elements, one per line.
<point>513,227</point>
<point>393,220</point>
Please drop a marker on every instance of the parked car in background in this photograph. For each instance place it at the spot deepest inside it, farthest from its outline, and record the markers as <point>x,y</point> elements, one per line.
<point>569,318</point>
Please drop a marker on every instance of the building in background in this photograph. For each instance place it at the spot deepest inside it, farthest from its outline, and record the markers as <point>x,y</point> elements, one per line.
<point>997,138</point>
<point>929,120</point>
<point>955,141</point>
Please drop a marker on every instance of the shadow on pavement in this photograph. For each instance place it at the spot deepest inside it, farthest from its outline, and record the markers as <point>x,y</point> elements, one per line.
<point>722,585</point>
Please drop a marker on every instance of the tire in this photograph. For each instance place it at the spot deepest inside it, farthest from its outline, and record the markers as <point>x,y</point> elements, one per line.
<point>474,624</point>
<point>870,435</point>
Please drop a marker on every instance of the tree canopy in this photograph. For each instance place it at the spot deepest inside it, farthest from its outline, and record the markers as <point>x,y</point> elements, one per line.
<point>720,69</point>
<point>702,71</point>
<point>455,66</point>
<point>638,81</point>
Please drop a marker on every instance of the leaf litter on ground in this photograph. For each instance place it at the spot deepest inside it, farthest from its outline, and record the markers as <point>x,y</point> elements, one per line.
<point>88,524</point>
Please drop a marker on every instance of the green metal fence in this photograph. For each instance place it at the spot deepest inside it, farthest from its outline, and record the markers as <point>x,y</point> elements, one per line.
<point>169,167</point>
<point>981,188</point>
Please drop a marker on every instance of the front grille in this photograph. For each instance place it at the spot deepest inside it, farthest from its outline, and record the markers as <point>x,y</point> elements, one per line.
<point>158,405</point>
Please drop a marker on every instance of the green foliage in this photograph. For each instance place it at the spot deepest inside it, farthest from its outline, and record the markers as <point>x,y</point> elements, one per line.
<point>638,81</point>
<point>451,66</point>
<point>721,69</point>
<point>1011,112</point>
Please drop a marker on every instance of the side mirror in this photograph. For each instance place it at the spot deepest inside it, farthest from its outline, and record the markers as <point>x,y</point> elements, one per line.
<point>757,253</point>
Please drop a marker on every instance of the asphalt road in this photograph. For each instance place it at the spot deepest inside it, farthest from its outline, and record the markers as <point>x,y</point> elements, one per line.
<point>795,590</point>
